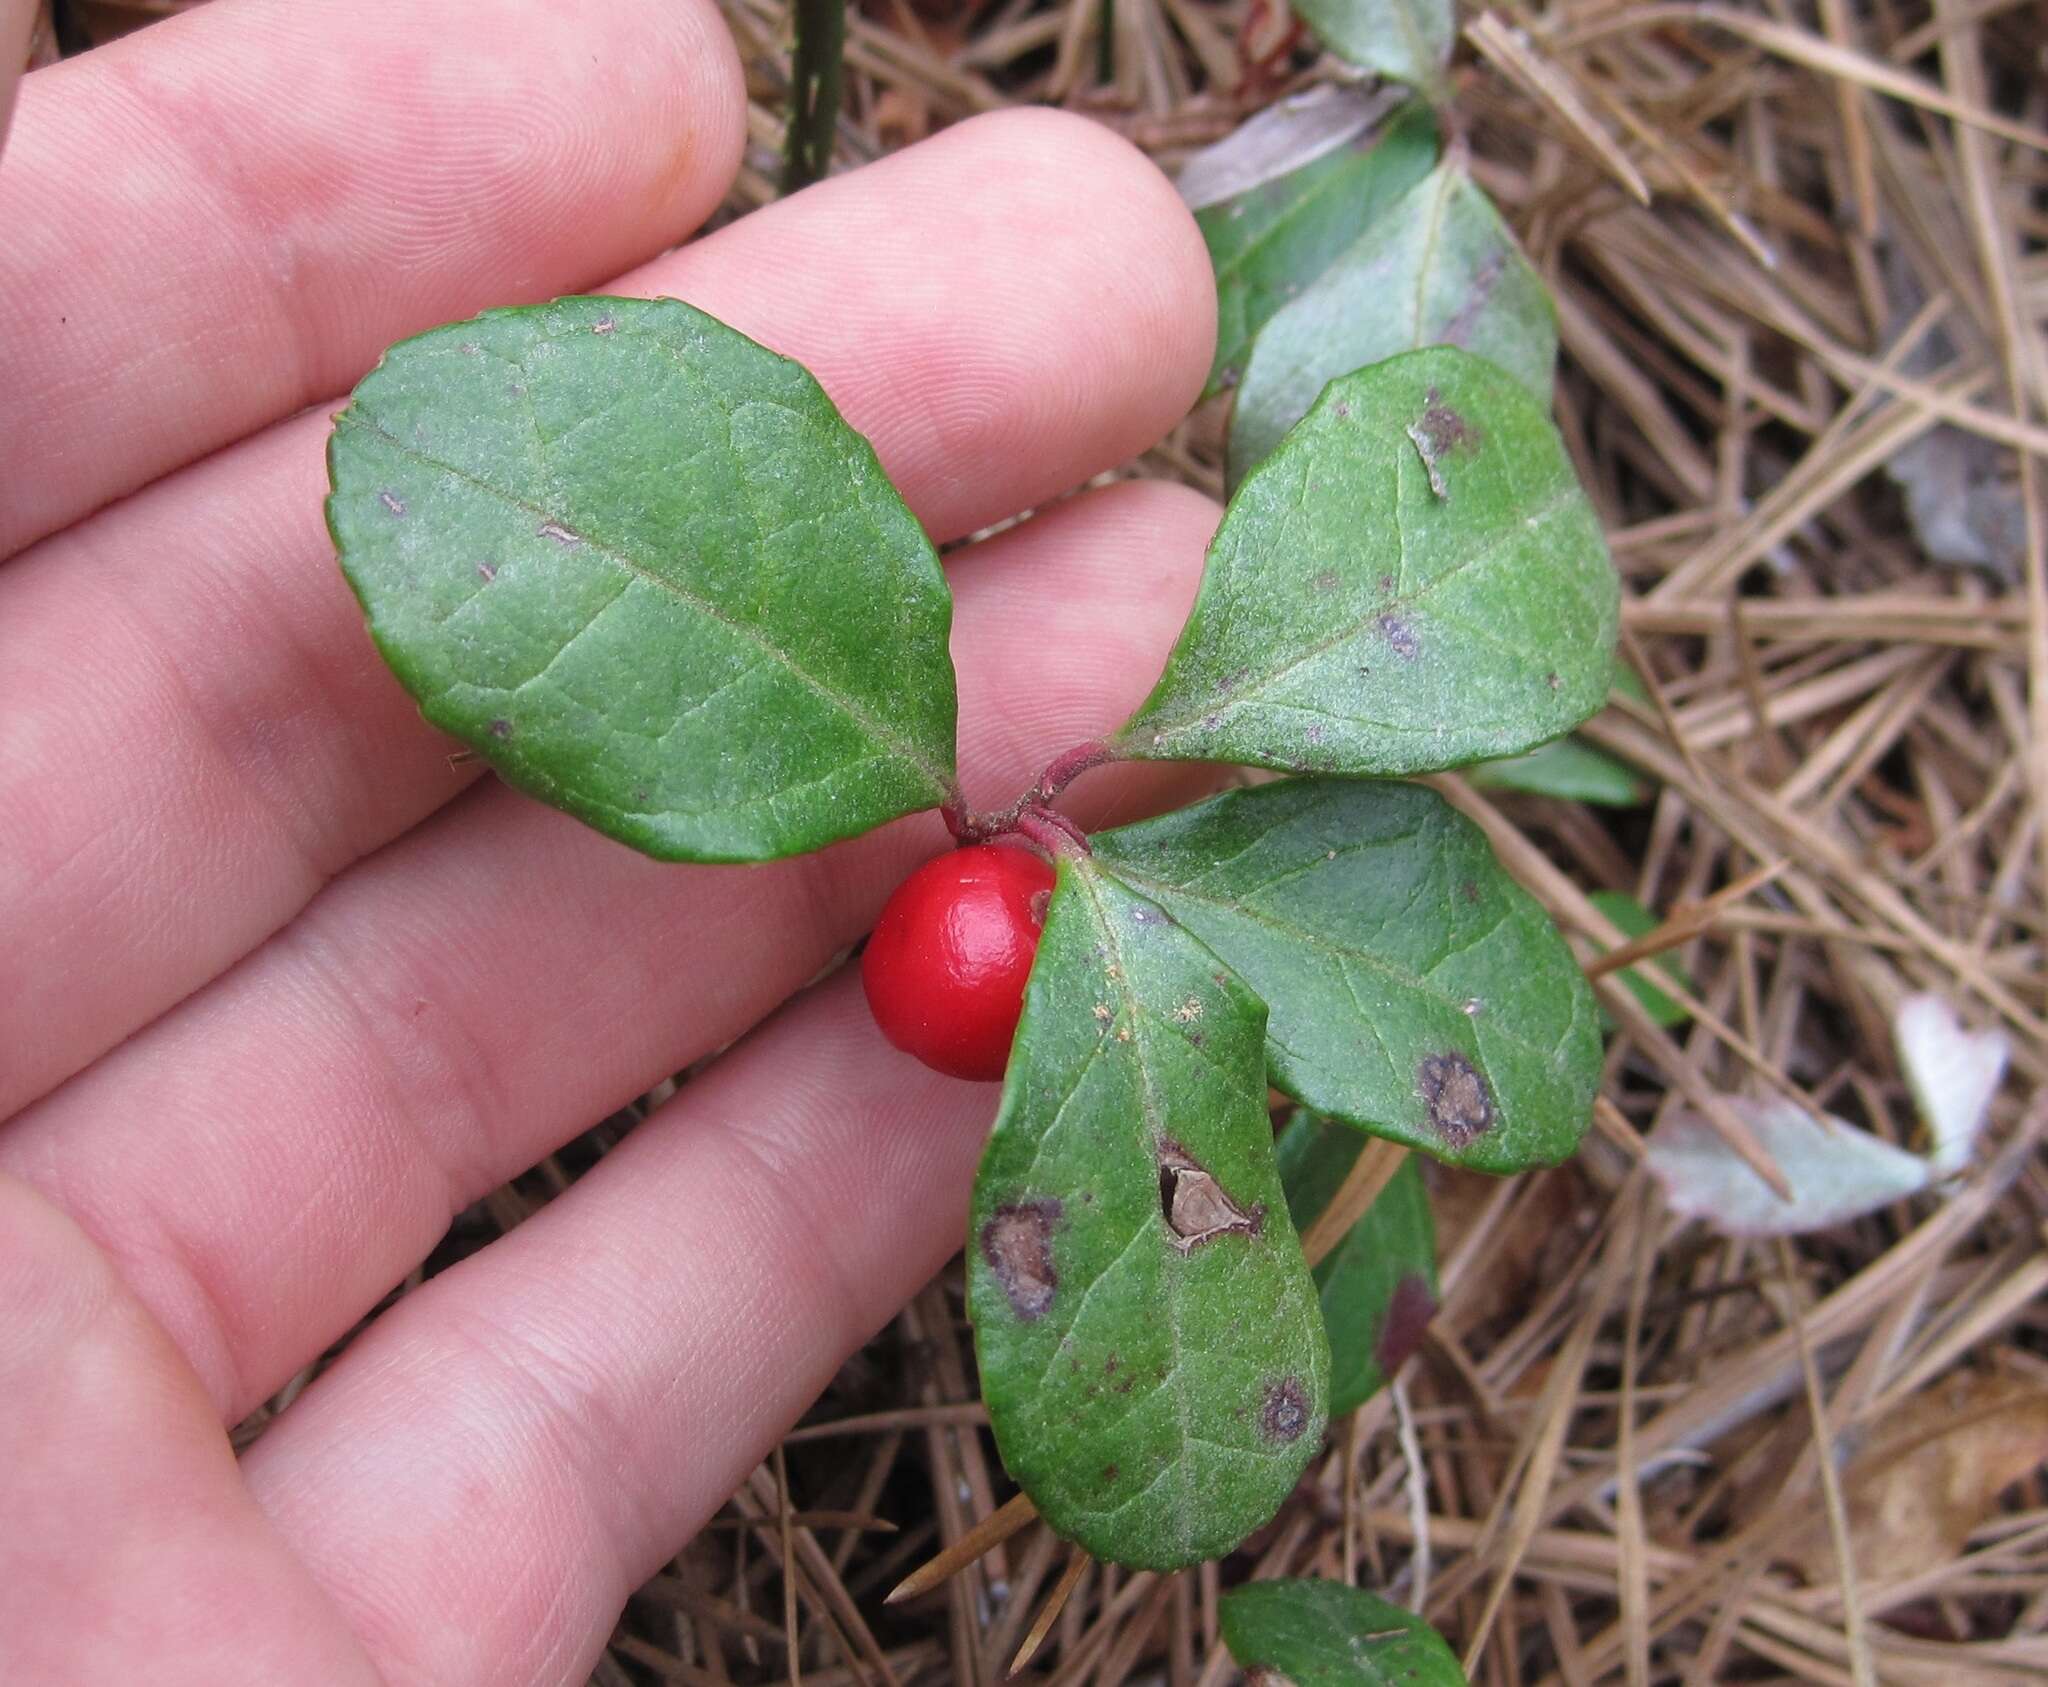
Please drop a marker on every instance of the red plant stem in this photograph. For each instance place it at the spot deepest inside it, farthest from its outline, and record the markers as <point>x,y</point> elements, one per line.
<point>1051,832</point>
<point>1066,767</point>
<point>1032,813</point>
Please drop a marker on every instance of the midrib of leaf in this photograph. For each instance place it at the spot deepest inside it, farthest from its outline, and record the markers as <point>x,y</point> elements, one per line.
<point>623,560</point>
<point>1431,236</point>
<point>1418,48</point>
<point>1486,554</point>
<point>1159,888</point>
<point>1153,1115</point>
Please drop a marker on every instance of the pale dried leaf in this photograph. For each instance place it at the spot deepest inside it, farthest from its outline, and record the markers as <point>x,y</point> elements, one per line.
<point>1836,1171</point>
<point>1282,138</point>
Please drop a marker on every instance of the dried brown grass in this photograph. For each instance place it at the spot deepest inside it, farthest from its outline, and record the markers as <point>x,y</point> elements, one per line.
<point>1788,246</point>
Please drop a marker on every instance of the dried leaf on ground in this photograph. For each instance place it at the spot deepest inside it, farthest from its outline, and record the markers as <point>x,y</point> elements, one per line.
<point>1927,1474</point>
<point>1836,1171</point>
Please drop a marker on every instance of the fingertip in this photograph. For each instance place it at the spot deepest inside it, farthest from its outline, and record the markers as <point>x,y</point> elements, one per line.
<point>1118,222</point>
<point>1101,193</point>
<point>1006,309</point>
<point>708,106</point>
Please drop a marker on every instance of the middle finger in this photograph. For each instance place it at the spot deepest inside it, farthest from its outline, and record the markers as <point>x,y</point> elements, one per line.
<point>1004,310</point>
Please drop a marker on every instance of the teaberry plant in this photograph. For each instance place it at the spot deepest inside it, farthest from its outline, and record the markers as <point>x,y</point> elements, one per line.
<point>641,565</point>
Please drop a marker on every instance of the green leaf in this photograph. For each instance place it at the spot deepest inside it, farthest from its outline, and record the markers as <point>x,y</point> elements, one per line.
<point>1407,40</point>
<point>640,563</point>
<point>1413,581</point>
<point>1151,1354</point>
<point>1568,768</point>
<point>1634,920</point>
<point>1269,243</point>
<point>1438,268</point>
<point>1379,1284</point>
<point>1324,1634</point>
<point>1415,990</point>
<point>1630,683</point>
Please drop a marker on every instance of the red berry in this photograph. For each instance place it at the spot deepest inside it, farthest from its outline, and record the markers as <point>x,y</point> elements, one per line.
<point>946,966</point>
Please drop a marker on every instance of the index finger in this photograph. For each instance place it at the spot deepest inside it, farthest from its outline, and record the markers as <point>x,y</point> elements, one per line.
<point>224,219</point>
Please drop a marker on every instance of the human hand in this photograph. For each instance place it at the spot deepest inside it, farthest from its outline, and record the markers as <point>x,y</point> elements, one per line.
<point>282,990</point>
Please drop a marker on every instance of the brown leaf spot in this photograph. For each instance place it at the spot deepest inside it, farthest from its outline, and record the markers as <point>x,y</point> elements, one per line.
<point>1285,1414</point>
<point>1196,1207</point>
<point>1408,1315</point>
<point>1110,1473</point>
<point>1436,434</point>
<point>1326,581</point>
<point>501,729</point>
<point>1017,1243</point>
<point>1342,410</point>
<point>1400,635</point>
<point>1449,430</point>
<point>604,324</point>
<point>1469,890</point>
<point>1460,1105</point>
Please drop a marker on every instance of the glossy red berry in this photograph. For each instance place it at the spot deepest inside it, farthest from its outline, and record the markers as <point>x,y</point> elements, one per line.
<point>946,966</point>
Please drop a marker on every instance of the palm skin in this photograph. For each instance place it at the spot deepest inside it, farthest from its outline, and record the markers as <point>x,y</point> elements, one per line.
<point>282,990</point>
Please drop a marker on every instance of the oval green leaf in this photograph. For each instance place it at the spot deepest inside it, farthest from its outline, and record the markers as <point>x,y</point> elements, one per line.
<point>1150,1349</point>
<point>1415,991</point>
<point>1324,1634</point>
<point>1269,243</point>
<point>1413,581</point>
<point>1438,268</point>
<point>1379,1284</point>
<point>641,564</point>
<point>1634,920</point>
<point>1569,768</point>
<point>1407,40</point>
